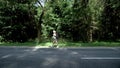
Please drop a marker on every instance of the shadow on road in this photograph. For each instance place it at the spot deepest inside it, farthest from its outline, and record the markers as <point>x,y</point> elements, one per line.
<point>59,58</point>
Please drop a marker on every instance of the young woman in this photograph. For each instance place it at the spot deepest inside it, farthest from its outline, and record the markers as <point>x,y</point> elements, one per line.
<point>54,39</point>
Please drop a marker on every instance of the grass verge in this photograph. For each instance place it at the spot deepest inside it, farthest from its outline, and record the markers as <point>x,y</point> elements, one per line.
<point>66,44</point>
<point>92,44</point>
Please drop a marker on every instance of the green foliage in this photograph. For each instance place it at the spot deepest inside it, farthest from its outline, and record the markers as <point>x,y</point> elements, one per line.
<point>17,21</point>
<point>74,20</point>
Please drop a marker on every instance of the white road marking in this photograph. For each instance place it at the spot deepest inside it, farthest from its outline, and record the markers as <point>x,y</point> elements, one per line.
<point>100,58</point>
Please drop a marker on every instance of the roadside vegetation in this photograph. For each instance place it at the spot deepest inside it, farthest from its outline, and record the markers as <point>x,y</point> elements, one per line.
<point>81,22</point>
<point>65,44</point>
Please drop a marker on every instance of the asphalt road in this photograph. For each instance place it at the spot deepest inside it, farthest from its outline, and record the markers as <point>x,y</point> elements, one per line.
<point>26,57</point>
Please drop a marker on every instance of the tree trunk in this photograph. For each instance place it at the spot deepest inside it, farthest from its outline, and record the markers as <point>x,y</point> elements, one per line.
<point>90,35</point>
<point>39,27</point>
<point>39,32</point>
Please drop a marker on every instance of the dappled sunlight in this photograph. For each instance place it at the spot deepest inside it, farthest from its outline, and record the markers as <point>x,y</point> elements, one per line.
<point>43,57</point>
<point>42,45</point>
<point>38,47</point>
<point>74,53</point>
<point>50,61</point>
<point>22,55</point>
<point>53,57</point>
<point>35,48</point>
<point>6,56</point>
<point>63,63</point>
<point>1,43</point>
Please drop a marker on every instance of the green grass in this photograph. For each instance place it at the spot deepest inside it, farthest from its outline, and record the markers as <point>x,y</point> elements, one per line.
<point>66,44</point>
<point>26,44</point>
<point>18,44</point>
<point>92,44</point>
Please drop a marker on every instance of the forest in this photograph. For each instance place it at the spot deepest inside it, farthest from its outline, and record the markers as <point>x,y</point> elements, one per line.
<point>74,20</point>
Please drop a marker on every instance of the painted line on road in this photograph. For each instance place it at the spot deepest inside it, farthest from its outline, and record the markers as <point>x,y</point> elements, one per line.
<point>101,58</point>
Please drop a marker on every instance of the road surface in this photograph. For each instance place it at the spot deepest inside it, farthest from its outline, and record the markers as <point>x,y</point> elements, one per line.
<point>86,57</point>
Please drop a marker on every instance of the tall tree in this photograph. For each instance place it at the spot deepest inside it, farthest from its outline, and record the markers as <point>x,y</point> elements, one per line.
<point>39,24</point>
<point>95,12</point>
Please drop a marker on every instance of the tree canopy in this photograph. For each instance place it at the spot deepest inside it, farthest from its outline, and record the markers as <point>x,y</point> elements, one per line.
<point>74,20</point>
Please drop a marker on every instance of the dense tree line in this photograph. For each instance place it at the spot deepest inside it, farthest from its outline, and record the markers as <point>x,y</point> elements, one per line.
<point>74,20</point>
<point>17,21</point>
